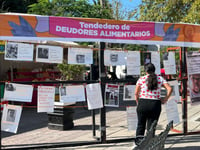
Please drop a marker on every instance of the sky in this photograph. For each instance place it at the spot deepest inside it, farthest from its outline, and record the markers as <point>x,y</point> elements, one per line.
<point>128,3</point>
<point>131,3</point>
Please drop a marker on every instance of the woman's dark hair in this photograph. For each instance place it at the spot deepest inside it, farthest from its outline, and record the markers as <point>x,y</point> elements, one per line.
<point>152,79</point>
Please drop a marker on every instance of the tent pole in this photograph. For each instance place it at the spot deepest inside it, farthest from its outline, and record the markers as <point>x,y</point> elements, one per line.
<point>102,76</point>
<point>184,89</point>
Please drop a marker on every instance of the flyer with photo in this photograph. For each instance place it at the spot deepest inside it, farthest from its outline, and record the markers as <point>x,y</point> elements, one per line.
<point>112,95</point>
<point>80,56</point>
<point>94,96</point>
<point>133,63</point>
<point>18,51</point>
<point>114,58</point>
<point>169,62</point>
<point>72,93</point>
<point>10,118</point>
<point>49,54</point>
<point>129,92</point>
<point>193,69</point>
<point>18,92</point>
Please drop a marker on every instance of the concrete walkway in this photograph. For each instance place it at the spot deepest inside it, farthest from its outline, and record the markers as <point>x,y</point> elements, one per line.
<point>33,131</point>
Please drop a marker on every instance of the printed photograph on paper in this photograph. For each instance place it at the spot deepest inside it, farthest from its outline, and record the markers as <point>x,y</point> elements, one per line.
<point>113,57</point>
<point>194,86</point>
<point>112,95</point>
<point>10,118</point>
<point>193,69</point>
<point>11,114</point>
<point>129,91</point>
<point>63,91</point>
<point>147,58</point>
<point>80,59</point>
<point>49,54</point>
<point>19,51</point>
<point>43,53</point>
<point>11,50</point>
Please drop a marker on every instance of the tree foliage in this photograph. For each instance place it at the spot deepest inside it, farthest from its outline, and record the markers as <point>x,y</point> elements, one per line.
<point>121,13</point>
<point>70,8</point>
<point>19,6</point>
<point>174,11</point>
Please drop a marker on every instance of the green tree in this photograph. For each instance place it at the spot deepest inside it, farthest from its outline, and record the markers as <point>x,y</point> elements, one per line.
<point>70,8</point>
<point>19,6</point>
<point>174,11</point>
<point>121,13</point>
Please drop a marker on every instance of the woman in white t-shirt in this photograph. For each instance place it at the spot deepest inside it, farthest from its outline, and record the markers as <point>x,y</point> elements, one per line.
<point>148,98</point>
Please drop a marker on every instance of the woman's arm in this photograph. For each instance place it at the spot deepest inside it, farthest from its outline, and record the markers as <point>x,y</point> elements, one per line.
<point>169,92</point>
<point>137,92</point>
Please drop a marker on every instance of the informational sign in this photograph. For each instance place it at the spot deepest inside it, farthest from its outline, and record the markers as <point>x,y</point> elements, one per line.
<point>129,92</point>
<point>114,58</point>
<point>10,118</point>
<point>34,27</point>
<point>46,96</point>
<point>18,51</point>
<point>193,69</point>
<point>75,93</point>
<point>132,119</point>
<point>155,59</point>
<point>94,96</point>
<point>80,56</point>
<point>175,90</point>
<point>172,111</point>
<point>133,63</point>
<point>169,62</point>
<point>18,92</point>
<point>112,95</point>
<point>49,54</point>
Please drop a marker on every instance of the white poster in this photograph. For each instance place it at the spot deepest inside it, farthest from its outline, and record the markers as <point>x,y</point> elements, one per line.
<point>133,63</point>
<point>80,56</point>
<point>175,90</point>
<point>10,118</point>
<point>169,62</point>
<point>112,95</point>
<point>19,51</point>
<point>18,92</point>
<point>94,96</point>
<point>132,119</point>
<point>74,93</point>
<point>172,111</point>
<point>46,96</point>
<point>155,59</point>
<point>129,92</point>
<point>193,69</point>
<point>114,58</point>
<point>49,54</point>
